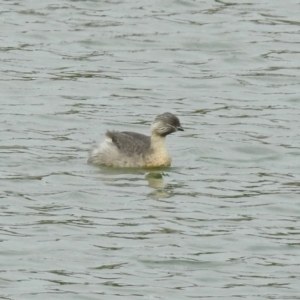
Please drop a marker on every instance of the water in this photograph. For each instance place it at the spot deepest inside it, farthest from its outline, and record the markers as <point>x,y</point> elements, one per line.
<point>222,222</point>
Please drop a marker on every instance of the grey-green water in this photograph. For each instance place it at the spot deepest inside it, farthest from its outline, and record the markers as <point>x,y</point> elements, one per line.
<point>222,222</point>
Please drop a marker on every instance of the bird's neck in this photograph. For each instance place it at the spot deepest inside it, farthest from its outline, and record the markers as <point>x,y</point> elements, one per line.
<point>159,156</point>
<point>158,143</point>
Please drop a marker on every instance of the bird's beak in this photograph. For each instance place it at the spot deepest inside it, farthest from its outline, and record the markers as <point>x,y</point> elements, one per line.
<point>180,129</point>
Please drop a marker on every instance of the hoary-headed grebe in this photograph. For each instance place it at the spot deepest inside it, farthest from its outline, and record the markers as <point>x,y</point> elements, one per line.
<point>131,149</point>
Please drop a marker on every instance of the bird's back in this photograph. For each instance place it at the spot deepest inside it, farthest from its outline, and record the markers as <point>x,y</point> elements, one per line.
<point>130,143</point>
<point>121,149</point>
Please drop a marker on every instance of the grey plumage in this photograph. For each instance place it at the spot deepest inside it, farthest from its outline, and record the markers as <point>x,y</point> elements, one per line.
<point>130,143</point>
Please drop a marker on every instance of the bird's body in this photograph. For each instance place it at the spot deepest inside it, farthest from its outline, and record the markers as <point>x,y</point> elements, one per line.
<point>131,149</point>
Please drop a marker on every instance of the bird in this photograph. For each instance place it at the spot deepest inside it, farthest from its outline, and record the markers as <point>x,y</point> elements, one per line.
<point>131,149</point>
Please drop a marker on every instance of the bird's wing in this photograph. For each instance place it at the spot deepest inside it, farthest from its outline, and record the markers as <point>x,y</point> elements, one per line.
<point>130,143</point>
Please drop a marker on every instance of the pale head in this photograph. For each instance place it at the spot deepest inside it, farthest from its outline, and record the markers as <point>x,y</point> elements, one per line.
<point>165,124</point>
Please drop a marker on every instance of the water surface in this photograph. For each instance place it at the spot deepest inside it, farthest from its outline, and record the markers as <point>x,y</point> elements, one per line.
<point>222,222</point>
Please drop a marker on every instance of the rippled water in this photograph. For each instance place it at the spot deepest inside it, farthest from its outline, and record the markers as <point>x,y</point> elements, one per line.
<point>222,222</point>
